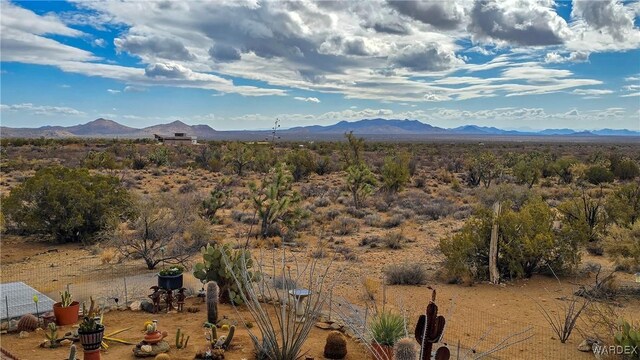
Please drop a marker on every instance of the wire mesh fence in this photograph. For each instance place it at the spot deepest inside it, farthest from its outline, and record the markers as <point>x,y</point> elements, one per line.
<point>469,337</point>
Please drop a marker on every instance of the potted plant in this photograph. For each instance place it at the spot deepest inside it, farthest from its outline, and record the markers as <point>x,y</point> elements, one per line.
<point>91,330</point>
<point>66,311</point>
<point>386,328</point>
<point>170,278</point>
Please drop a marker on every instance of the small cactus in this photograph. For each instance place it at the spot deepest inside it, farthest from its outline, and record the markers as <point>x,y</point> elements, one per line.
<point>336,346</point>
<point>405,349</point>
<point>72,352</point>
<point>181,343</point>
<point>213,293</point>
<point>28,323</point>
<point>227,341</point>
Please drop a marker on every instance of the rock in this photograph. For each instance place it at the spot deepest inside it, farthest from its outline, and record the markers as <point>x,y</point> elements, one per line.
<point>335,326</point>
<point>585,345</point>
<point>146,306</point>
<point>153,350</point>
<point>135,306</point>
<point>323,325</point>
<point>66,342</point>
<point>23,334</point>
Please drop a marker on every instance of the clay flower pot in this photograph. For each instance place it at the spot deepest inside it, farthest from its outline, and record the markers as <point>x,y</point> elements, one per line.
<point>154,337</point>
<point>382,352</point>
<point>66,315</point>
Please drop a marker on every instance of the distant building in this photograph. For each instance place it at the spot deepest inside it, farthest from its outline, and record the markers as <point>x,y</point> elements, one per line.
<point>177,139</point>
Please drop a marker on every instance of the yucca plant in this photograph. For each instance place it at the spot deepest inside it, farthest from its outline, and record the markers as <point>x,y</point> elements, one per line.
<point>387,328</point>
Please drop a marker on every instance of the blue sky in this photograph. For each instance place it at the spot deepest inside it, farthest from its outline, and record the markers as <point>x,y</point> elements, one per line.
<point>516,64</point>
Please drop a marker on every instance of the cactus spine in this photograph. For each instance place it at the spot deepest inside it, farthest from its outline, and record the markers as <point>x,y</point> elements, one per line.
<point>405,349</point>
<point>181,343</point>
<point>429,330</point>
<point>72,352</point>
<point>213,293</point>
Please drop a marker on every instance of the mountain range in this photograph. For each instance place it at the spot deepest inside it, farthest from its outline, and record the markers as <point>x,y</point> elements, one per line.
<point>378,128</point>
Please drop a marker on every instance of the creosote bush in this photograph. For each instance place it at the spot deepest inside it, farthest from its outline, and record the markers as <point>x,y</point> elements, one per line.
<point>67,205</point>
<point>527,243</point>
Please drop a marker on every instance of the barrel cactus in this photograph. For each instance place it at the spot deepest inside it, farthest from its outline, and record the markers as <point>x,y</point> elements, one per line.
<point>405,349</point>
<point>336,346</point>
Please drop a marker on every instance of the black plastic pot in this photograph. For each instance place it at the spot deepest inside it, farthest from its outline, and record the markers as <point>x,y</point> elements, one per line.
<point>170,282</point>
<point>91,340</point>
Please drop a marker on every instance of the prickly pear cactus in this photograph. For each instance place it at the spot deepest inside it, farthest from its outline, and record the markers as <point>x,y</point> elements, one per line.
<point>213,268</point>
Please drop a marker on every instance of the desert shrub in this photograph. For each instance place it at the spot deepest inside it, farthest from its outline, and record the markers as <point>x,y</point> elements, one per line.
<point>344,225</point>
<point>405,274</point>
<point>301,163</point>
<point>598,174</point>
<point>210,158</point>
<point>99,160</point>
<point>516,195</point>
<point>562,168</point>
<point>160,157</point>
<point>322,202</point>
<point>394,221</point>
<point>394,240</point>
<point>623,205</point>
<point>187,188</point>
<point>526,243</point>
<point>372,241</point>
<point>626,169</point>
<point>373,220</point>
<point>324,166</point>
<point>583,218</point>
<point>244,217</point>
<point>623,245</point>
<point>332,214</point>
<point>68,205</point>
<point>395,172</point>
<point>482,168</point>
<point>347,253</point>
<point>528,169</point>
<point>165,229</point>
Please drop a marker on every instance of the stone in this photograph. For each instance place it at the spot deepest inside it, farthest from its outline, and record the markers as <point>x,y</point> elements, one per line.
<point>66,342</point>
<point>135,305</point>
<point>147,306</point>
<point>153,350</point>
<point>323,325</point>
<point>23,334</point>
<point>585,345</point>
<point>335,326</point>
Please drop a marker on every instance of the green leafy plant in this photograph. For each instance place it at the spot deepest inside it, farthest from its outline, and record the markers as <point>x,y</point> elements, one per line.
<point>360,182</point>
<point>387,328</point>
<point>395,172</point>
<point>172,271</point>
<point>69,205</point>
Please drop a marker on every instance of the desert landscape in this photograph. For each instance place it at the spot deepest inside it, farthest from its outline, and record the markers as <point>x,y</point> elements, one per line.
<point>385,221</point>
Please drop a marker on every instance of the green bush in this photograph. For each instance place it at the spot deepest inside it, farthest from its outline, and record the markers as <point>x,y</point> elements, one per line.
<point>301,163</point>
<point>69,205</point>
<point>395,172</point>
<point>623,245</point>
<point>527,243</point>
<point>623,205</point>
<point>626,169</point>
<point>598,174</point>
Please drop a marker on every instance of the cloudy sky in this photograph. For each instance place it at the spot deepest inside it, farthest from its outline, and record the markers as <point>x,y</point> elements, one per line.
<point>233,64</point>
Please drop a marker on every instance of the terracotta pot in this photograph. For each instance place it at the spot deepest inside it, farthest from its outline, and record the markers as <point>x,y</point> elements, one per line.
<point>91,340</point>
<point>155,337</point>
<point>66,315</point>
<point>382,352</point>
<point>92,355</point>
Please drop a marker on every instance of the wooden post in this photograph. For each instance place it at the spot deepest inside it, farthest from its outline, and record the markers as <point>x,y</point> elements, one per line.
<point>494,275</point>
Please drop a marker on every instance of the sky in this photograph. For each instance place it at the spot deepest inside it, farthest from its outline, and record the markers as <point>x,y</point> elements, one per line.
<point>242,64</point>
